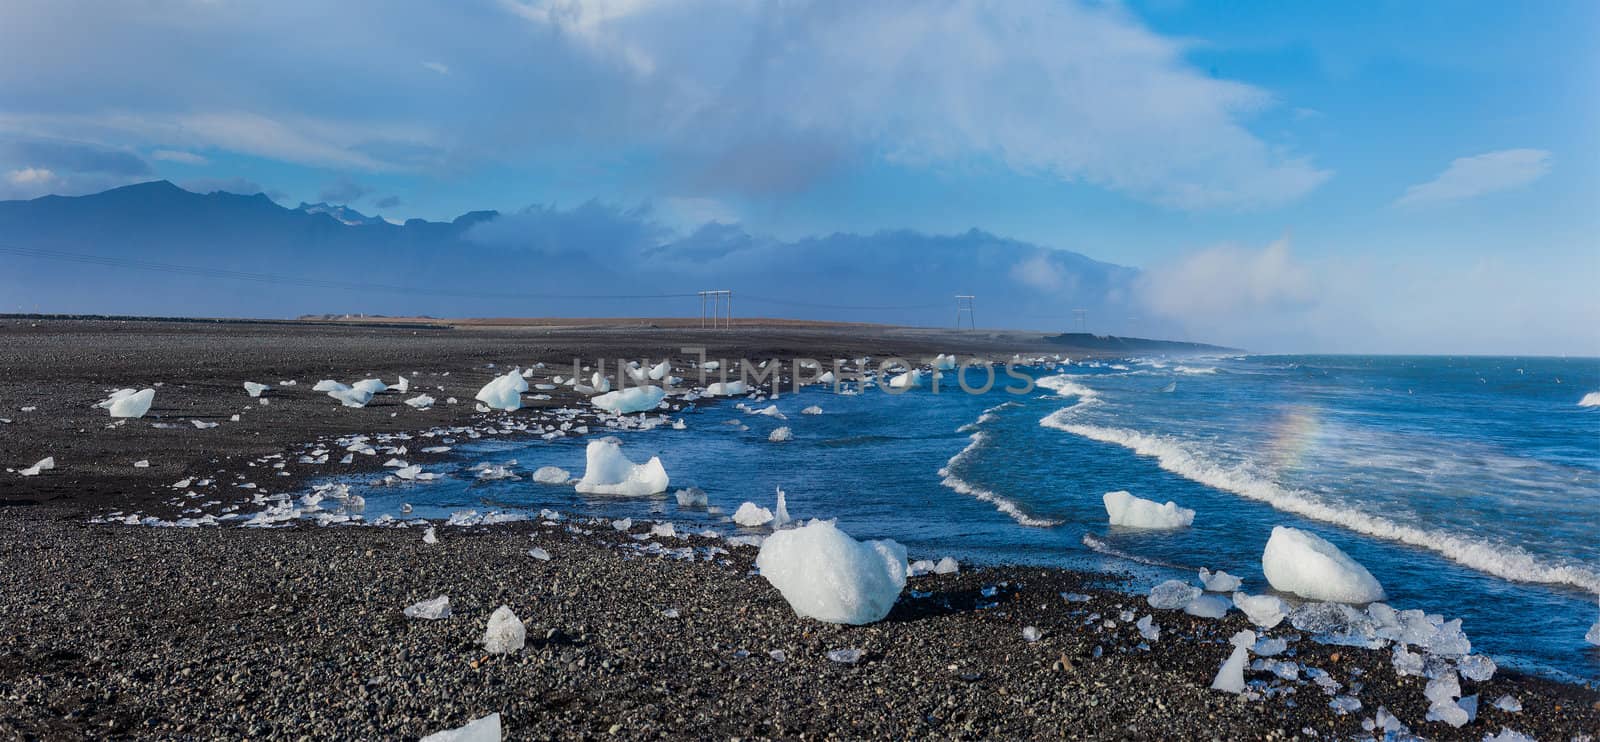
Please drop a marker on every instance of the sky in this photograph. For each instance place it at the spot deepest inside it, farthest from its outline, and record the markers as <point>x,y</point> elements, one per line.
<point>1352,177</point>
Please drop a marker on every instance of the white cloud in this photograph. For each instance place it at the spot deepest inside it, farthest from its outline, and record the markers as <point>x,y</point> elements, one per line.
<point>1227,282</point>
<point>1062,90</point>
<point>438,67</point>
<point>1468,177</point>
<point>179,156</point>
<point>1038,272</point>
<point>30,176</point>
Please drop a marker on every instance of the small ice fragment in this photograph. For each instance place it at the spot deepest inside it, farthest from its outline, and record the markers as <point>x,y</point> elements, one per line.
<point>622,524</point>
<point>845,656</point>
<point>1506,733</point>
<point>486,729</point>
<point>1305,564</point>
<point>141,464</point>
<point>1219,581</point>
<point>1128,511</point>
<point>1443,689</point>
<point>352,397</point>
<point>812,410</point>
<point>433,609</point>
<point>539,554</point>
<point>1148,629</point>
<point>947,566</point>
<point>693,497</point>
<point>421,401</point>
<point>1172,595</point>
<point>1270,646</point>
<point>1030,634</point>
<point>505,633</point>
<point>130,405</point>
<point>1508,703</point>
<point>205,425</point>
<point>1208,606</point>
<point>503,392</point>
<point>430,536</point>
<point>751,515</point>
<point>372,386</point>
<point>1075,597</point>
<point>253,389</point>
<point>630,400</point>
<point>1230,677</point>
<point>781,435</point>
<point>552,475</point>
<point>1342,705</point>
<point>1265,611</point>
<point>45,464</point>
<point>778,655</point>
<point>1476,667</point>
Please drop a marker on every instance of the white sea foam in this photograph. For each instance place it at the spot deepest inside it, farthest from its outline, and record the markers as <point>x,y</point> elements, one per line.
<point>1504,561</point>
<point>1592,399</point>
<point>1001,503</point>
<point>1096,545</point>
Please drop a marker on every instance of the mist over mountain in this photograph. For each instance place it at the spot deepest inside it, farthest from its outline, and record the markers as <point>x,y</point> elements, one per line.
<point>157,249</point>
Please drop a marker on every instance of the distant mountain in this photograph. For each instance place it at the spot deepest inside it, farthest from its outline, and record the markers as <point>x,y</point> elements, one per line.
<point>340,213</point>
<point>155,248</point>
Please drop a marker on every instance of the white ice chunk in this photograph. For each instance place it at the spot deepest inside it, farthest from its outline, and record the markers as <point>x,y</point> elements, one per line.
<point>434,609</point>
<point>1219,581</point>
<point>751,515</point>
<point>1476,667</point>
<point>1508,735</point>
<point>1302,563</point>
<point>947,566</point>
<point>1406,662</point>
<point>812,410</point>
<point>329,385</point>
<point>1148,629</point>
<point>825,574</point>
<point>630,400</point>
<point>1031,634</point>
<point>693,497</point>
<point>1134,512</point>
<point>609,472</point>
<point>660,370</point>
<point>727,389</point>
<point>352,397</point>
<point>505,633</point>
<point>1230,677</point>
<point>430,536</point>
<point>1172,595</point>
<point>132,405</point>
<point>45,464</point>
<point>781,434</point>
<point>1265,611</point>
<point>1208,606</point>
<point>253,389</point>
<point>845,656</point>
<point>552,475</point>
<point>503,392</point>
<point>373,386</point>
<point>1508,703</point>
<point>539,554</point>
<point>486,729</point>
<point>421,401</point>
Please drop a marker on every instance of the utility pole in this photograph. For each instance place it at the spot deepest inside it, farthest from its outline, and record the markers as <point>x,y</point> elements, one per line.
<point>964,306</point>
<point>721,306</point>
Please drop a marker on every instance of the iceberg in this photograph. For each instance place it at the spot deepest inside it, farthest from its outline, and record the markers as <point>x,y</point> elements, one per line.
<point>1219,581</point>
<point>253,389</point>
<point>434,609</point>
<point>660,370</point>
<point>1134,512</point>
<point>503,392</point>
<point>552,475</point>
<point>907,380</point>
<point>825,574</point>
<point>486,729</point>
<point>1302,563</point>
<point>781,435</point>
<point>505,633</point>
<point>947,566</point>
<point>751,515</point>
<point>134,404</point>
<point>609,472</point>
<point>632,399</point>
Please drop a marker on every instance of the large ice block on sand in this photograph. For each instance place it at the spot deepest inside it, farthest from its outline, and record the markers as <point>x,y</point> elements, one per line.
<point>609,472</point>
<point>130,405</point>
<point>486,729</point>
<point>505,633</point>
<point>632,399</point>
<point>828,576</point>
<point>503,392</point>
<point>1302,563</point>
<point>1136,512</point>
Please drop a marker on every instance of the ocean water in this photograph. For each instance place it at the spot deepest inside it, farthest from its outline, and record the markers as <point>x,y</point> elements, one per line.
<point>1468,486</point>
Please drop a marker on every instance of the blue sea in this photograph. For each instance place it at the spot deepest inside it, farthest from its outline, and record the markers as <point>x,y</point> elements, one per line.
<point>1469,487</point>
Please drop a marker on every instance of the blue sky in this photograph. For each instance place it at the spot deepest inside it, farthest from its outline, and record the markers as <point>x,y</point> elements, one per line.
<point>1364,176</point>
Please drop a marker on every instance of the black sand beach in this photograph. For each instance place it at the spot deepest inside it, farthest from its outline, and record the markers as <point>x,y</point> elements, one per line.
<point>227,633</point>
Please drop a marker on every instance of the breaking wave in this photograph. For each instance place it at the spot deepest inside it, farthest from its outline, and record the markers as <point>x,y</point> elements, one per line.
<point>1096,545</point>
<point>1000,502</point>
<point>1504,561</point>
<point>1592,399</point>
